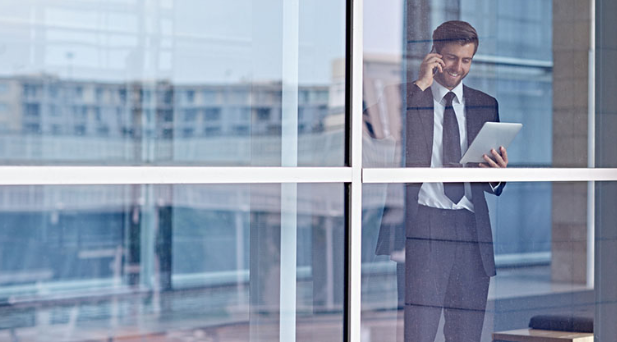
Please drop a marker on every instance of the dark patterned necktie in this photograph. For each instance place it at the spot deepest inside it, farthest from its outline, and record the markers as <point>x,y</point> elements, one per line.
<point>451,149</point>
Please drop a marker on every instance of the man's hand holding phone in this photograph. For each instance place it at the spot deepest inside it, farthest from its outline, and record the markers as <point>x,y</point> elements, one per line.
<point>431,64</point>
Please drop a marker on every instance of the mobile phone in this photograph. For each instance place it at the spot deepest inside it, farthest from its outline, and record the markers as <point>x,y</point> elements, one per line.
<point>435,69</point>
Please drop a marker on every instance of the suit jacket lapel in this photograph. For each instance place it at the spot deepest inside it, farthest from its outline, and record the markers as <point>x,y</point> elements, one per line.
<point>419,132</point>
<point>426,112</point>
<point>472,117</point>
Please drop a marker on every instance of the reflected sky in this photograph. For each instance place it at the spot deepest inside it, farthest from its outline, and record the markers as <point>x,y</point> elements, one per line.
<point>181,41</point>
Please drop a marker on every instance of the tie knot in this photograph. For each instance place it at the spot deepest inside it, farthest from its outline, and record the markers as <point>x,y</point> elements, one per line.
<point>449,97</point>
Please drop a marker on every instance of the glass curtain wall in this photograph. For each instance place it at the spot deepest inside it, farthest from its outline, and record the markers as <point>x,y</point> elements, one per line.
<point>145,84</point>
<point>311,241</point>
<point>167,82</point>
<point>534,255</point>
<point>169,263</point>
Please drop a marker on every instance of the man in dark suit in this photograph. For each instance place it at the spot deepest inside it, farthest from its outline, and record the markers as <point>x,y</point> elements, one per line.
<point>448,249</point>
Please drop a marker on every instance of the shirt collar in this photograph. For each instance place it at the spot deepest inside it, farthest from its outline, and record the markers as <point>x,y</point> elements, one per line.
<point>440,91</point>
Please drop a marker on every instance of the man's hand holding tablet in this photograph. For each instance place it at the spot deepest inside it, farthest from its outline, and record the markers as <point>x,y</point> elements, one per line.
<point>489,148</point>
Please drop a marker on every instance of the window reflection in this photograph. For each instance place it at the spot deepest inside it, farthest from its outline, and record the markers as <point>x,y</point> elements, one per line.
<point>122,114</point>
<point>167,262</point>
<point>167,83</point>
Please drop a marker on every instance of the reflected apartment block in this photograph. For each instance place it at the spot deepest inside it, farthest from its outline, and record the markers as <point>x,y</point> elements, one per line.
<point>54,119</point>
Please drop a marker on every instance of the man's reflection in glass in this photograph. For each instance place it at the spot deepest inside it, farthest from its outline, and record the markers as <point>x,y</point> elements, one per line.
<point>448,249</point>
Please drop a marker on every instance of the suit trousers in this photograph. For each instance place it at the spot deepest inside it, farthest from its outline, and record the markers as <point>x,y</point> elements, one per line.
<point>444,271</point>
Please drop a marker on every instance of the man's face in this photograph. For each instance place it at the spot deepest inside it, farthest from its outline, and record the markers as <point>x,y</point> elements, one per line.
<point>458,62</point>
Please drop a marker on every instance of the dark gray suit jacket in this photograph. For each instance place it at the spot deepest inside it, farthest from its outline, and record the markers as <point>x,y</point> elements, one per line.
<point>479,108</point>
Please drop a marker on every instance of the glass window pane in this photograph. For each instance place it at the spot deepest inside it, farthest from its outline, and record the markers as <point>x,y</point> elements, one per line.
<point>166,82</point>
<point>541,253</point>
<point>532,66</point>
<point>172,263</point>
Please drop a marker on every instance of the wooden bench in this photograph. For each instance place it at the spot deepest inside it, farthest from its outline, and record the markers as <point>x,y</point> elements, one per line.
<point>537,335</point>
<point>551,328</point>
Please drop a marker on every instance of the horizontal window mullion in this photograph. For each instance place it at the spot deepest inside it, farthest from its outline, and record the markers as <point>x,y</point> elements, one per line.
<point>421,175</point>
<point>95,175</point>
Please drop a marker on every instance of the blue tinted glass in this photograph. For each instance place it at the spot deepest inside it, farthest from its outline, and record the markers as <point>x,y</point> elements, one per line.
<point>532,66</point>
<point>539,253</point>
<point>171,262</point>
<point>191,82</point>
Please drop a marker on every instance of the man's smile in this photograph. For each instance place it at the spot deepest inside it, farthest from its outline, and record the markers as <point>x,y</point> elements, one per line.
<point>457,62</point>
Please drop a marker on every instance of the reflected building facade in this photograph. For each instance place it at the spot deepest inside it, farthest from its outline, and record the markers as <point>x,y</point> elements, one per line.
<point>150,241</point>
<point>68,121</point>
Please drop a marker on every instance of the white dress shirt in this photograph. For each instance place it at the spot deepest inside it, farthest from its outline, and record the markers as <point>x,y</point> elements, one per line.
<point>431,194</point>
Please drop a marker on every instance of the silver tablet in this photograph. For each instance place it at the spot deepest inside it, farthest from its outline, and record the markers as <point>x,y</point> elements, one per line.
<point>491,136</point>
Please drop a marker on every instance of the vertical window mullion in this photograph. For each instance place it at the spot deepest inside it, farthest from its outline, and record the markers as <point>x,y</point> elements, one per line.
<point>354,243</point>
<point>289,158</point>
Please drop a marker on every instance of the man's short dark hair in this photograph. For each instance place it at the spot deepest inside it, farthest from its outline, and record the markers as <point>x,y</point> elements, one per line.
<point>455,31</point>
